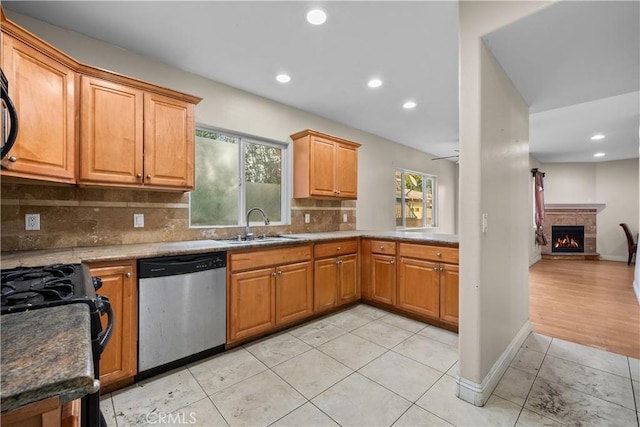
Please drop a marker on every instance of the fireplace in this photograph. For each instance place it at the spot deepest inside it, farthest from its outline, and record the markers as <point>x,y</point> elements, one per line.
<point>567,238</point>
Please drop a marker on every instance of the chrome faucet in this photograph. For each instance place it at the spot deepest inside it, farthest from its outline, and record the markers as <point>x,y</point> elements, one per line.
<point>248,234</point>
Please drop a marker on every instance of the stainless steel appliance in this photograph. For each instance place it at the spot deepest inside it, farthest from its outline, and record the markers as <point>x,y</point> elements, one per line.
<point>35,288</point>
<point>9,126</point>
<point>182,310</point>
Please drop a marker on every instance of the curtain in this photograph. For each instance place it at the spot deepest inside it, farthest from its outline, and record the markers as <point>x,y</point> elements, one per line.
<point>539,195</point>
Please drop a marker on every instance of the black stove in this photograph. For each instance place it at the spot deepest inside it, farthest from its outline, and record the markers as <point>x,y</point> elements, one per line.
<point>33,288</point>
<point>29,288</point>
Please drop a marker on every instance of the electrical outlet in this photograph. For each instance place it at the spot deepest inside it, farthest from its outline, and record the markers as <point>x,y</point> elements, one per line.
<point>138,220</point>
<point>307,218</point>
<point>32,222</point>
<point>345,217</point>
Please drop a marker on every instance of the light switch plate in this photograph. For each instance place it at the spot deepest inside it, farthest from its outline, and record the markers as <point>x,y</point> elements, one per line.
<point>138,220</point>
<point>484,223</point>
<point>32,222</point>
<point>345,217</point>
<point>307,218</point>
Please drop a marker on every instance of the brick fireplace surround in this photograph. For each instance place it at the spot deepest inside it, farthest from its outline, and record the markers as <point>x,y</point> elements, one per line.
<point>572,214</point>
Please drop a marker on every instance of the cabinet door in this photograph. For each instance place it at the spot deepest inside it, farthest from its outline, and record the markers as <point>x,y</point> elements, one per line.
<point>169,139</point>
<point>43,91</point>
<point>383,278</point>
<point>449,280</point>
<point>294,292</point>
<point>418,287</point>
<point>111,133</point>
<point>251,297</point>
<point>346,171</point>
<point>119,359</point>
<point>323,166</point>
<point>348,278</point>
<point>325,289</point>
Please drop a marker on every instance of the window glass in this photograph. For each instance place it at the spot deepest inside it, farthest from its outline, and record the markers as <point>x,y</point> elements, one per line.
<point>263,179</point>
<point>415,200</point>
<point>233,175</point>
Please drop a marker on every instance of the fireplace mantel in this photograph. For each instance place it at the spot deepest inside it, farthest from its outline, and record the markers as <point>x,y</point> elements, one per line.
<point>577,206</point>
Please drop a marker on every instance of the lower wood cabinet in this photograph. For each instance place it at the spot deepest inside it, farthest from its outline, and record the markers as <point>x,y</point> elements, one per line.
<point>428,281</point>
<point>417,279</point>
<point>43,413</point>
<point>263,296</point>
<point>119,359</point>
<point>419,287</point>
<point>335,275</point>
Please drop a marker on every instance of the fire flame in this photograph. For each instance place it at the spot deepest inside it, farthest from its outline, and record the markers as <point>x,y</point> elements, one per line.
<point>566,242</point>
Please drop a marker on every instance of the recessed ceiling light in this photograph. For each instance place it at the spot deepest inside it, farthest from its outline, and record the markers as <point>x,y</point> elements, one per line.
<point>374,83</point>
<point>597,137</point>
<point>283,78</point>
<point>316,16</point>
<point>409,105</point>
<point>598,155</point>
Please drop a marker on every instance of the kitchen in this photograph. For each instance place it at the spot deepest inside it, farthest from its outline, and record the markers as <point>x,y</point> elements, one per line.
<point>166,214</point>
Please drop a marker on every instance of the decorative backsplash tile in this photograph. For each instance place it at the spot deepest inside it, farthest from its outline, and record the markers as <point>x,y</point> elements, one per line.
<point>75,216</point>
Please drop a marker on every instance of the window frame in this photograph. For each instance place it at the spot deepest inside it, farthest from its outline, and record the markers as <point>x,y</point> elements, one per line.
<point>285,187</point>
<point>434,188</point>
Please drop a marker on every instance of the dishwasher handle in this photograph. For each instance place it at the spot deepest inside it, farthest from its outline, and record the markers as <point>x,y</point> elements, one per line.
<point>181,264</point>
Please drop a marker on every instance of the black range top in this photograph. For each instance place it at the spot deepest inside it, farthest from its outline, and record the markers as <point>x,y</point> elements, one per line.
<point>28,288</point>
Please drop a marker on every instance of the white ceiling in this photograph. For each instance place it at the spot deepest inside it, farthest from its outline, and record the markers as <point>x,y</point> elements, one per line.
<point>411,46</point>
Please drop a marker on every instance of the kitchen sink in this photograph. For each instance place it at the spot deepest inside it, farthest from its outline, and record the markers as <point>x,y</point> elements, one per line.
<point>259,240</point>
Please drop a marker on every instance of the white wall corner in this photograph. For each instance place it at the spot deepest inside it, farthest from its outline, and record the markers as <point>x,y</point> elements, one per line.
<point>537,257</point>
<point>478,393</point>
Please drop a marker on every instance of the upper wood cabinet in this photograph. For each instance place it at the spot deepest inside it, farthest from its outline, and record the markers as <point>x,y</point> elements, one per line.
<point>325,166</point>
<point>78,123</point>
<point>131,137</point>
<point>42,85</point>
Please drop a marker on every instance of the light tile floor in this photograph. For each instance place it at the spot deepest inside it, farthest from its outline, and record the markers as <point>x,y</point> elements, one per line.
<point>367,367</point>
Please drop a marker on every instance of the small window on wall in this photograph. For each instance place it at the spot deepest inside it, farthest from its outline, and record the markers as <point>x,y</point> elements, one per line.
<point>415,199</point>
<point>235,174</point>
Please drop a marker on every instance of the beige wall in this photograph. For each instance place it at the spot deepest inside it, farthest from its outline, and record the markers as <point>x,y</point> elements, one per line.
<point>494,180</point>
<point>613,183</point>
<point>233,109</point>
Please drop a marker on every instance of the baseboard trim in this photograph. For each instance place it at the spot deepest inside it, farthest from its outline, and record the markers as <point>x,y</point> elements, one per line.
<point>478,393</point>
<point>613,258</point>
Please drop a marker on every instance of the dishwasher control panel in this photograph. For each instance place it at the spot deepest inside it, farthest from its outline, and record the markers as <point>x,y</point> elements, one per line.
<point>180,264</point>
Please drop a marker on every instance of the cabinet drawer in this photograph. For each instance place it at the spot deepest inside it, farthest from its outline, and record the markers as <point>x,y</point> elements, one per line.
<point>383,247</point>
<point>428,252</point>
<point>324,250</point>
<point>269,257</point>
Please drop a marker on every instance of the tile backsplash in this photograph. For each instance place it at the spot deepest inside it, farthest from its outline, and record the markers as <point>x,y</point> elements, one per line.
<point>76,216</point>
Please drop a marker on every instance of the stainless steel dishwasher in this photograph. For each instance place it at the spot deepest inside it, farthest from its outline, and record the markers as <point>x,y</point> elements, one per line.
<point>182,310</point>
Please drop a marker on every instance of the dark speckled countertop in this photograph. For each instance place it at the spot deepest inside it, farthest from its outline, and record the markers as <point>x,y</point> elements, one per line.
<point>148,250</point>
<point>45,353</point>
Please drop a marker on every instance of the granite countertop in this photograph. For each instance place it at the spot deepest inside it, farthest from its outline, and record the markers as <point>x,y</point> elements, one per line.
<point>45,353</point>
<point>148,250</point>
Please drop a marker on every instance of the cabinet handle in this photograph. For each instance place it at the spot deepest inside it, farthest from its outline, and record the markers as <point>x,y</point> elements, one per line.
<point>382,247</point>
<point>13,159</point>
<point>338,248</point>
<point>393,261</point>
<point>273,274</point>
<point>435,268</point>
<point>138,175</point>
<point>127,275</point>
<point>279,272</point>
<point>438,253</point>
<point>441,269</point>
<point>148,176</point>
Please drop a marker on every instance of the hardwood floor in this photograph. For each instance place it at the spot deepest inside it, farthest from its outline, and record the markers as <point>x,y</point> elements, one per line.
<point>587,302</point>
